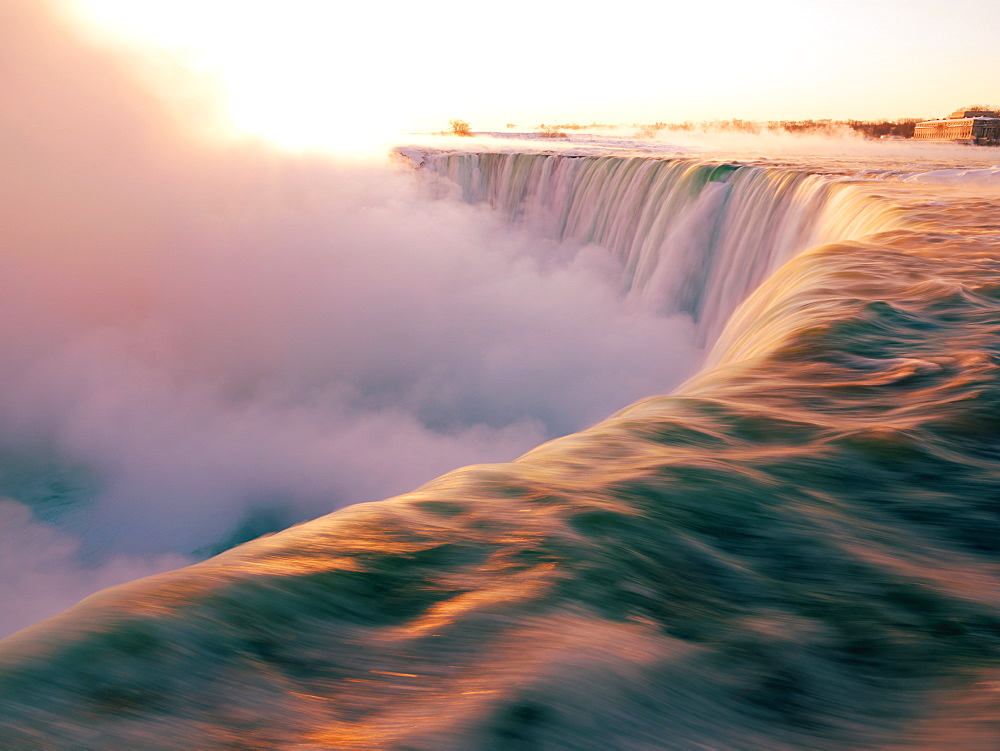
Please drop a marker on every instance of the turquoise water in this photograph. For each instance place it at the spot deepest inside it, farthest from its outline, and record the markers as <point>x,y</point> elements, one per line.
<point>796,548</point>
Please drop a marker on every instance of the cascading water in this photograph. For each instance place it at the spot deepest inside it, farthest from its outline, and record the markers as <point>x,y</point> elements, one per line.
<point>691,237</point>
<point>797,549</point>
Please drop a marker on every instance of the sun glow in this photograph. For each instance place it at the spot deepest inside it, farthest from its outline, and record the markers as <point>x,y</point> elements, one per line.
<point>290,73</point>
<point>323,73</point>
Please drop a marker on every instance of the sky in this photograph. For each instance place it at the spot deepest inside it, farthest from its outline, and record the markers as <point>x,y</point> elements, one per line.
<point>317,72</point>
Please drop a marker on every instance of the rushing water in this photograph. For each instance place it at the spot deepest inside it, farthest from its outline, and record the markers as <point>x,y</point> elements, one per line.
<point>691,237</point>
<point>798,548</point>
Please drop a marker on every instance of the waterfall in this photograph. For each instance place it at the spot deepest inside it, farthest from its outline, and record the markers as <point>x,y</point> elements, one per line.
<point>691,236</point>
<point>797,548</point>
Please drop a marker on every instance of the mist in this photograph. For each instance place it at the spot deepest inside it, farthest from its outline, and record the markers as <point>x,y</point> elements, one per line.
<point>206,339</point>
<point>843,151</point>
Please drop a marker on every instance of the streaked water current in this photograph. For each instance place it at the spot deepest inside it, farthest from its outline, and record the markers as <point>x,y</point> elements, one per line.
<point>796,548</point>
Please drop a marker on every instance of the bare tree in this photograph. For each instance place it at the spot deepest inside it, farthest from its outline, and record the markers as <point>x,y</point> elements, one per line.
<point>460,128</point>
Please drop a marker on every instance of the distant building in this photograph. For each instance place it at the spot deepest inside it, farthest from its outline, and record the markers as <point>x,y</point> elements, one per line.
<point>959,114</point>
<point>962,126</point>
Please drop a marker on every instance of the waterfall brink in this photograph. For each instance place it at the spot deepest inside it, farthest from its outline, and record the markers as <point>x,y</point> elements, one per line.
<point>798,548</point>
<point>691,237</point>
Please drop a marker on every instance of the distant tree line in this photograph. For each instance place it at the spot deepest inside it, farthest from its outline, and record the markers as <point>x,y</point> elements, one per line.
<point>879,128</point>
<point>900,128</point>
<point>869,128</point>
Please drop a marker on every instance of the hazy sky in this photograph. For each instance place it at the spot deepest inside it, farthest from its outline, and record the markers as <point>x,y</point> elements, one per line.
<point>319,70</point>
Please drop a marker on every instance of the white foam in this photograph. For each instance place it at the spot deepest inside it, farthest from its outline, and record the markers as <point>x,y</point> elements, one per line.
<point>988,177</point>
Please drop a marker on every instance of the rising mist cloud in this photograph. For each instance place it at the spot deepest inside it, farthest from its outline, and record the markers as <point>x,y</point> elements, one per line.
<point>200,339</point>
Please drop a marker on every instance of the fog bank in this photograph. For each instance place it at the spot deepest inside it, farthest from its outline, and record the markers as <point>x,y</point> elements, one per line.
<point>207,341</point>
